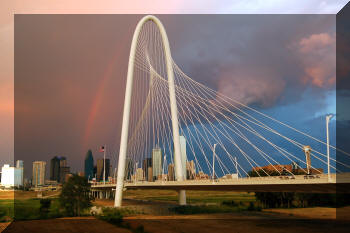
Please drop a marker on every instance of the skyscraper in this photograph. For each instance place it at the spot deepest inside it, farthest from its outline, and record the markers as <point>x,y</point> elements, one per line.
<point>64,171</point>
<point>190,170</point>
<point>139,174</point>
<point>156,162</point>
<point>171,172</point>
<point>56,164</point>
<point>99,172</point>
<point>89,165</point>
<point>19,164</point>
<point>55,169</point>
<point>39,173</point>
<point>20,171</point>
<point>129,168</point>
<point>11,176</point>
<point>147,162</point>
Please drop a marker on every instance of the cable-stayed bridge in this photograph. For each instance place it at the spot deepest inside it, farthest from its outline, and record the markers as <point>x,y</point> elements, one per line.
<point>180,134</point>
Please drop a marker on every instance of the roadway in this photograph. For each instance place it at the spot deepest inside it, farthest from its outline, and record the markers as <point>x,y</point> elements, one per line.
<point>339,183</point>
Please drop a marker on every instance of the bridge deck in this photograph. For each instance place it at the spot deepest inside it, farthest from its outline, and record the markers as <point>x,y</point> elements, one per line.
<point>318,184</point>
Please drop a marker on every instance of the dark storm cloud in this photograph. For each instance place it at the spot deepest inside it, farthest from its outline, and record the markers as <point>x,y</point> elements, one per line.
<point>255,58</point>
<point>70,71</point>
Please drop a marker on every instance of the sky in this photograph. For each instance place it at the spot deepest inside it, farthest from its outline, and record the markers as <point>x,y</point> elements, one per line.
<point>56,53</point>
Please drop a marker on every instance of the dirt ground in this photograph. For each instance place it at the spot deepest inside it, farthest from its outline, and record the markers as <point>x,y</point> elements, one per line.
<point>64,225</point>
<point>241,225</point>
<point>25,194</point>
<point>6,195</point>
<point>316,213</point>
<point>222,223</point>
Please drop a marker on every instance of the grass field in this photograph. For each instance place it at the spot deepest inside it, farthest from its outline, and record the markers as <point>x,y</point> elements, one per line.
<point>25,205</point>
<point>193,197</point>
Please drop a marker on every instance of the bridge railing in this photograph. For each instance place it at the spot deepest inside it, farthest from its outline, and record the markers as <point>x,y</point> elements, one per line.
<point>321,178</point>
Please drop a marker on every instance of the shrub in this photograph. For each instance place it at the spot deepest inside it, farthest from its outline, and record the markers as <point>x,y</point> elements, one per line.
<point>44,208</point>
<point>230,203</point>
<point>111,215</point>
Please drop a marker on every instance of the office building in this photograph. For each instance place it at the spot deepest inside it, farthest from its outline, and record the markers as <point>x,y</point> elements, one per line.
<point>19,164</point>
<point>139,174</point>
<point>89,165</point>
<point>287,169</point>
<point>56,164</point>
<point>100,169</point>
<point>171,172</point>
<point>150,174</point>
<point>11,176</point>
<point>156,162</point>
<point>201,176</point>
<point>55,168</point>
<point>64,171</point>
<point>20,172</point>
<point>129,169</point>
<point>147,162</point>
<point>190,170</point>
<point>38,173</point>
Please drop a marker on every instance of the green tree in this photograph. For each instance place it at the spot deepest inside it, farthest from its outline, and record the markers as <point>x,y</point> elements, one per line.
<point>44,207</point>
<point>75,197</point>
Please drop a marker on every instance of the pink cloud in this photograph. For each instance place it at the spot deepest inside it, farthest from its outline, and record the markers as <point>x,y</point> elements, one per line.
<point>317,55</point>
<point>316,41</point>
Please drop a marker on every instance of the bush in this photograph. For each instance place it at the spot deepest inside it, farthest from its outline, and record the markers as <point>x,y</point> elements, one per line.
<point>44,208</point>
<point>230,203</point>
<point>252,207</point>
<point>111,215</point>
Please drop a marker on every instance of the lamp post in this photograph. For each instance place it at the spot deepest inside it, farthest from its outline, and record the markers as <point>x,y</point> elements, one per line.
<point>104,165</point>
<point>328,117</point>
<point>213,176</point>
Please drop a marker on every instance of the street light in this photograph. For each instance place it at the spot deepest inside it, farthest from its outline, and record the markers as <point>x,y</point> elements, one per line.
<point>213,176</point>
<point>328,117</point>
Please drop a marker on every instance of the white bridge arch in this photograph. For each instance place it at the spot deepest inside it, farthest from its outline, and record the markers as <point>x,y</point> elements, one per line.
<point>127,105</point>
<point>253,147</point>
